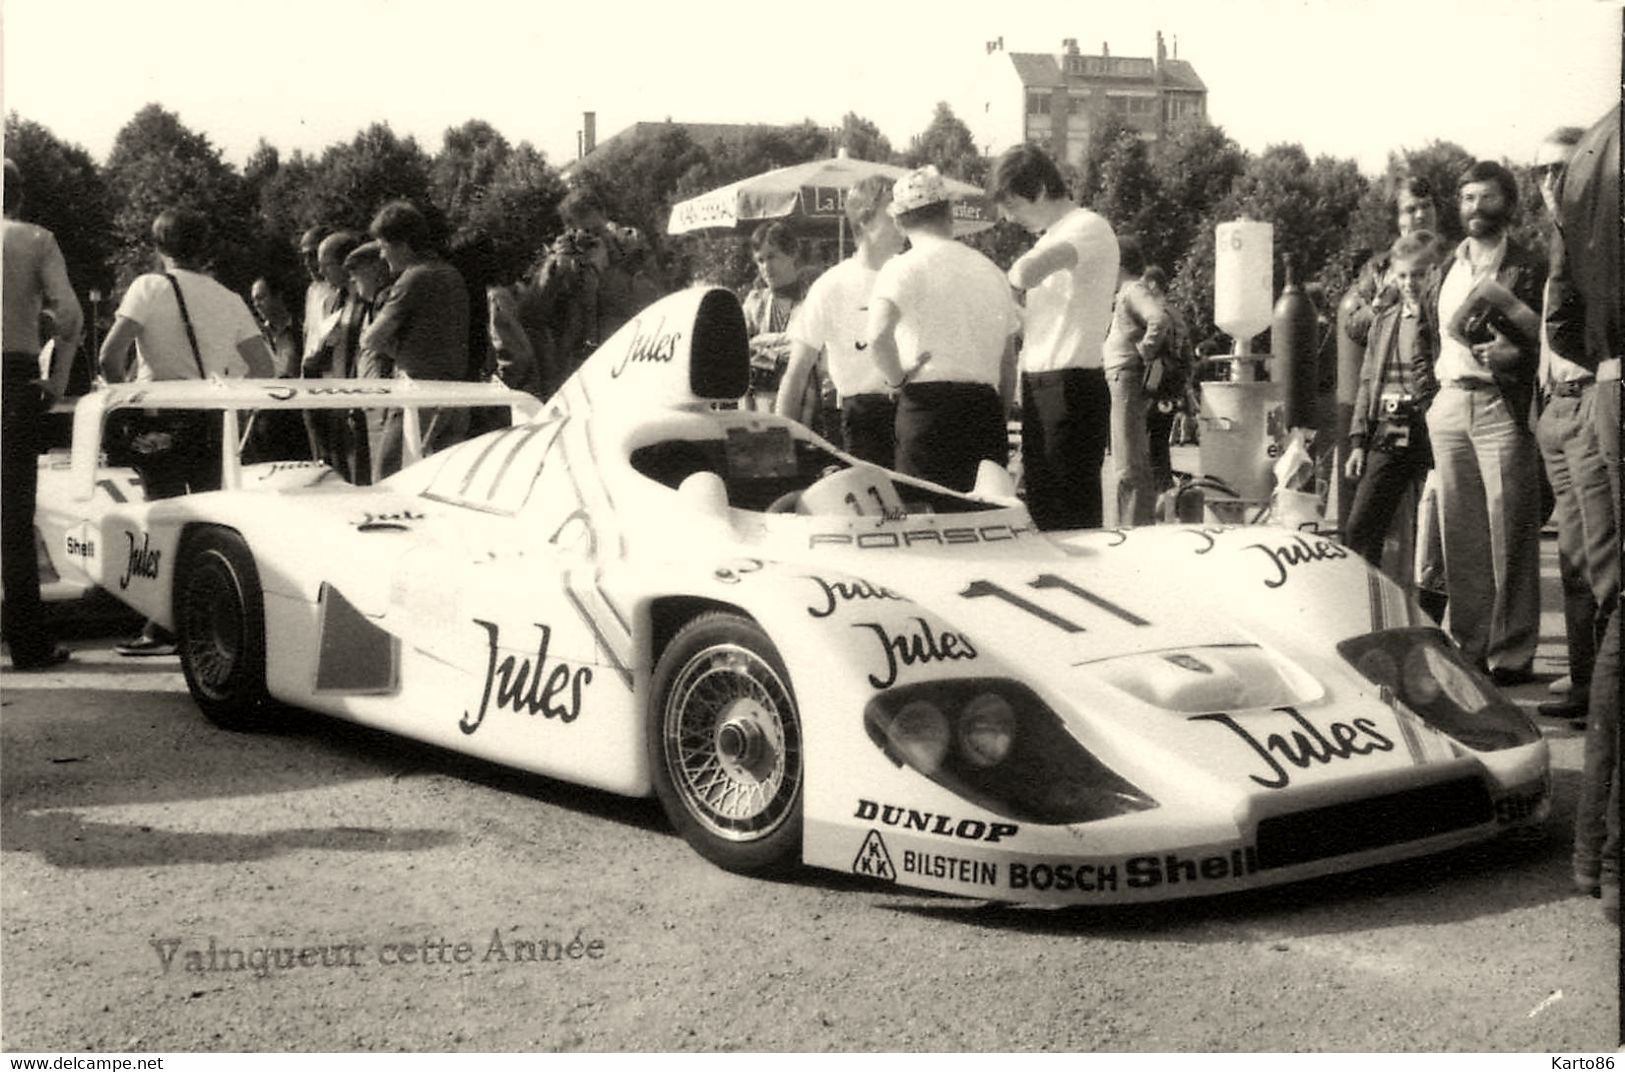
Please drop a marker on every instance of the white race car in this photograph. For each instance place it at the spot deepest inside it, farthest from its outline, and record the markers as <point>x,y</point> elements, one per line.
<point>812,660</point>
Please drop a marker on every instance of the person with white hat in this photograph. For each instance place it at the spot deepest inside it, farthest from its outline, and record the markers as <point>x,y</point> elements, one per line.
<point>941,319</point>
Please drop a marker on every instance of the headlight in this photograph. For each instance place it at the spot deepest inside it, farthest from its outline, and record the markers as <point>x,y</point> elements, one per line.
<point>920,732</point>
<point>987,729</point>
<point>995,743</point>
<point>1425,672</point>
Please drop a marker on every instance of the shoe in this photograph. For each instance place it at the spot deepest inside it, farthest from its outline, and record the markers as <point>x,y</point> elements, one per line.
<point>1507,676</point>
<point>1574,710</point>
<point>1563,686</point>
<point>146,646</point>
<point>1588,880</point>
<point>34,664</point>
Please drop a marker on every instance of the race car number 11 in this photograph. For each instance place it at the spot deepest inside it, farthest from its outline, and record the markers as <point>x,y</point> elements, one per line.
<point>978,589</point>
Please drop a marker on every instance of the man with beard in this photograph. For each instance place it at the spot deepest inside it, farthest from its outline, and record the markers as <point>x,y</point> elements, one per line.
<point>1478,425</point>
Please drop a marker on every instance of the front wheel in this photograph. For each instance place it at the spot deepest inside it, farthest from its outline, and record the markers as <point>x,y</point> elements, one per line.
<point>220,630</point>
<point>725,745</point>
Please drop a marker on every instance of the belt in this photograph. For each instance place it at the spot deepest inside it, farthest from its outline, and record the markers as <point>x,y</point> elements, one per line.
<point>1470,384</point>
<point>1569,388</point>
<point>867,397</point>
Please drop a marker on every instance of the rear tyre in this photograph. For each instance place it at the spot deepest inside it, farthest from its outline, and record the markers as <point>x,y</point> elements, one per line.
<point>725,745</point>
<point>220,630</point>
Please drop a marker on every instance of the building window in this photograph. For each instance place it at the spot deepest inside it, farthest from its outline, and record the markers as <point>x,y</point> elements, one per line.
<point>1037,103</point>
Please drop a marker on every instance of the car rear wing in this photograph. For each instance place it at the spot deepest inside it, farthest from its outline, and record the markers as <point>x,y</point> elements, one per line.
<point>235,397</point>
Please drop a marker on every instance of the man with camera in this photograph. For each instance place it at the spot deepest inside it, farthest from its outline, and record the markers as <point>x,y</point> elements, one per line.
<point>1388,440</point>
<point>1478,425</point>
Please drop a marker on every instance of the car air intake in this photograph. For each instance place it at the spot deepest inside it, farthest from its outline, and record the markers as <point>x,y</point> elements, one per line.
<point>1358,825</point>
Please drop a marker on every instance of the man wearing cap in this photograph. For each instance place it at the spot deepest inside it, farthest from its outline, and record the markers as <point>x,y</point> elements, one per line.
<point>1478,425</point>
<point>834,320</point>
<point>940,324</point>
<point>36,279</point>
<point>1067,410</point>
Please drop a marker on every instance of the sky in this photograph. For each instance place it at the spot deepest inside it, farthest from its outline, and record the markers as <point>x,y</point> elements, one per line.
<point>1350,78</point>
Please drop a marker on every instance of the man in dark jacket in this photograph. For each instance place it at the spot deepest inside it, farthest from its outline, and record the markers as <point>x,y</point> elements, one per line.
<point>1479,428</point>
<point>1583,323</point>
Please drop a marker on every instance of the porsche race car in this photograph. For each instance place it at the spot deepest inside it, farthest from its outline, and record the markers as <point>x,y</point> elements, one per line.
<point>810,660</point>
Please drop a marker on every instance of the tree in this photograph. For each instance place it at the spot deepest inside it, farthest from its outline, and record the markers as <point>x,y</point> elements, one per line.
<point>863,140</point>
<point>1310,206</point>
<point>462,172</point>
<point>637,176</point>
<point>948,144</point>
<point>1195,166</point>
<point>1128,194</point>
<point>66,194</point>
<point>517,216</point>
<point>157,163</point>
<point>347,184</point>
<point>1105,134</point>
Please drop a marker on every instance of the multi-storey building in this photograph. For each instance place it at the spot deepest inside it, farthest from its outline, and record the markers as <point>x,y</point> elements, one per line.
<point>1055,99</point>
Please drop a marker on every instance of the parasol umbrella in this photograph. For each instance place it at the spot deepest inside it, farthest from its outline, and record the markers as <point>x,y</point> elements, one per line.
<point>814,191</point>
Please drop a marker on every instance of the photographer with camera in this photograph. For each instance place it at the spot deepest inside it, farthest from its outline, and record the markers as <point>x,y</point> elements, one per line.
<point>1388,438</point>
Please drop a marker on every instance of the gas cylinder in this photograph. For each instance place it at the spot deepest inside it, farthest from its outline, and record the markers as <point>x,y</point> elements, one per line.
<point>1292,351</point>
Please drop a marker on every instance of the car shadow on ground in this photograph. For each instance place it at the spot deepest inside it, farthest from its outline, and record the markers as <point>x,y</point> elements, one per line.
<point>1522,870</point>
<point>127,747</point>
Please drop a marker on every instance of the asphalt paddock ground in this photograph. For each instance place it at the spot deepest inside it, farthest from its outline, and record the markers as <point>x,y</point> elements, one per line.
<point>445,903</point>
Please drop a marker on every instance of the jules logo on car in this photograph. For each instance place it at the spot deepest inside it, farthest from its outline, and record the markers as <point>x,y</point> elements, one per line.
<point>143,561</point>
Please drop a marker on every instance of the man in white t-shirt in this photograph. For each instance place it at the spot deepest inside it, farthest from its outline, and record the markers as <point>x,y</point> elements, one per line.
<point>1069,275</point>
<point>940,324</point>
<point>184,326</point>
<point>223,340</point>
<point>834,320</point>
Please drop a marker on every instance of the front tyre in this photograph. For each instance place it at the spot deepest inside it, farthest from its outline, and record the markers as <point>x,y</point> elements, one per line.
<point>725,745</point>
<point>220,629</point>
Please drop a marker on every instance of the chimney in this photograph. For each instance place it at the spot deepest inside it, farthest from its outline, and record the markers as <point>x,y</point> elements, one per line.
<point>589,132</point>
<point>1105,49</point>
<point>1162,50</point>
<point>1176,46</point>
<point>1069,45</point>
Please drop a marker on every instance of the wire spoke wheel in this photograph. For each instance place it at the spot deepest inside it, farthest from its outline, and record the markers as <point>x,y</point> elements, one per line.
<point>726,744</point>
<point>211,625</point>
<point>220,629</point>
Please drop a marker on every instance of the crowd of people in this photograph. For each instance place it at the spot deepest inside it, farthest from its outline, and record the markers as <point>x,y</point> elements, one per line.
<point>1484,370</point>
<point>1488,396</point>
